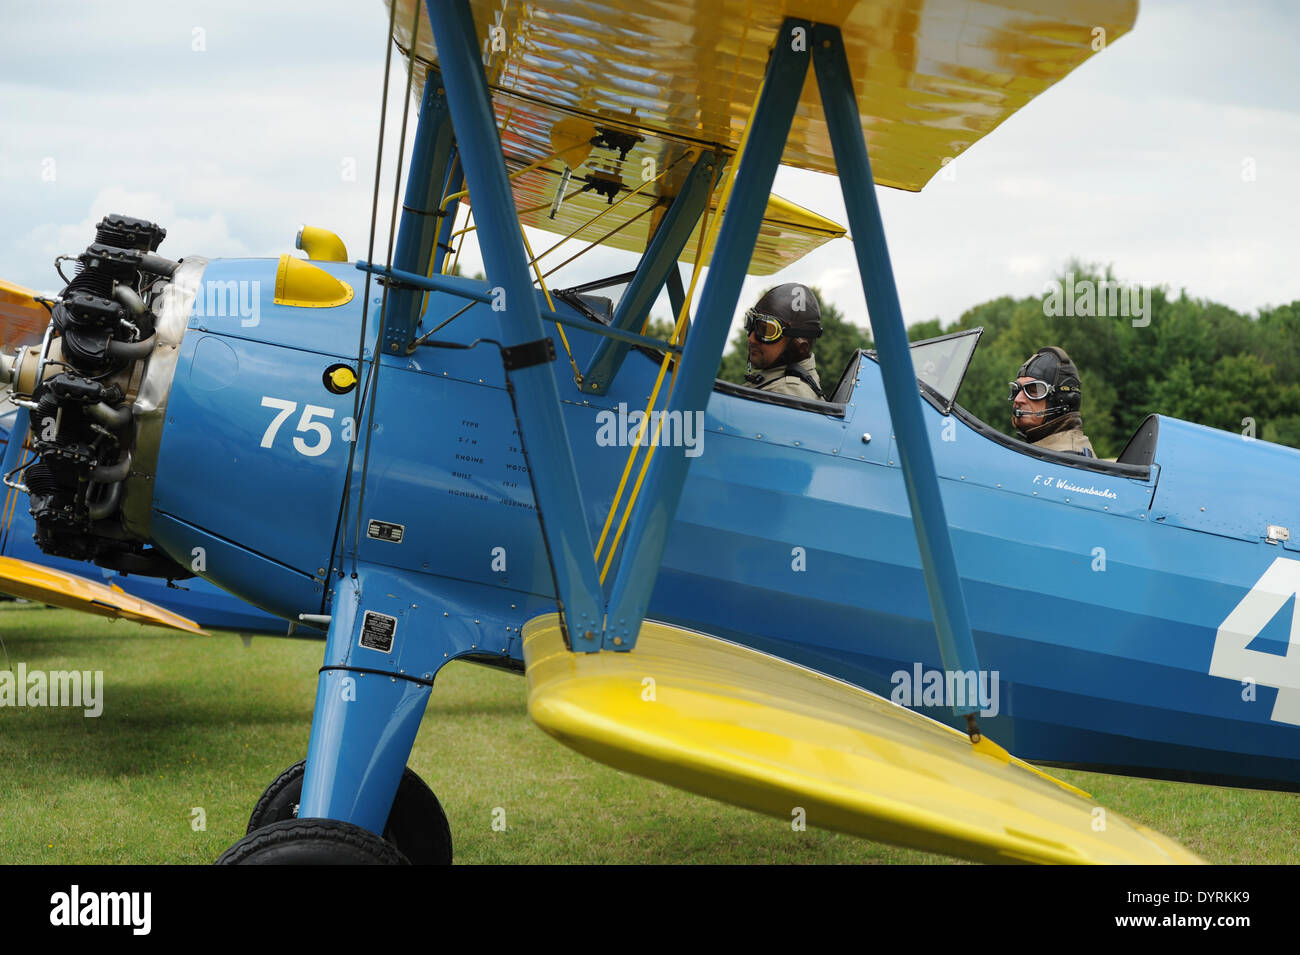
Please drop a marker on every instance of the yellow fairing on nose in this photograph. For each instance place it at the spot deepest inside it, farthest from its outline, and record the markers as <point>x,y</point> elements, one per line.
<point>304,285</point>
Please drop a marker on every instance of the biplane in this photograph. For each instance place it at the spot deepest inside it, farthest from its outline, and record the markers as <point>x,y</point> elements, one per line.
<point>834,605</point>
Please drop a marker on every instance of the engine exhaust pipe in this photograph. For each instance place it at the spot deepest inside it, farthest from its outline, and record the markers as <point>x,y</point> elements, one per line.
<point>112,473</point>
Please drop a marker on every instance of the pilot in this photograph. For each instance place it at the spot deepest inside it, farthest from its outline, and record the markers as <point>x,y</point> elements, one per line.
<point>781,326</point>
<point>1045,400</point>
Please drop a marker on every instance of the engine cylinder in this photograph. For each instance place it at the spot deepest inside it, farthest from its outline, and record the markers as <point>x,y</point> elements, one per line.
<point>83,387</point>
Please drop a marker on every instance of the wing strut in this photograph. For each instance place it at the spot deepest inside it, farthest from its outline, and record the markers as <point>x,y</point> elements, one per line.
<point>422,214</point>
<point>658,266</point>
<point>533,388</point>
<point>956,646</point>
<point>765,139</point>
<point>536,396</point>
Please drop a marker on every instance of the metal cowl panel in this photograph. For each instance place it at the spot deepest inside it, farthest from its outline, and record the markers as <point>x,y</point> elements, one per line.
<point>172,314</point>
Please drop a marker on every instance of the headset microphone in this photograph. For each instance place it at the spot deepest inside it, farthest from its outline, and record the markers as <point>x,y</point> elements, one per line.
<point>1048,413</point>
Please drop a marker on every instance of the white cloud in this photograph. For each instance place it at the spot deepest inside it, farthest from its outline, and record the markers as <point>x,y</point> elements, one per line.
<point>1135,160</point>
<point>209,233</point>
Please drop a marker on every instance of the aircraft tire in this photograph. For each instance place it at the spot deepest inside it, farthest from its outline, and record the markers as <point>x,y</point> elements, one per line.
<point>312,842</point>
<point>416,824</point>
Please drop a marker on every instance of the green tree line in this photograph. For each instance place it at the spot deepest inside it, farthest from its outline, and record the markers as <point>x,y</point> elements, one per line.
<point>1184,357</point>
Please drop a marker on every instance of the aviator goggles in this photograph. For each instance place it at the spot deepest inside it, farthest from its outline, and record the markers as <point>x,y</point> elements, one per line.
<point>768,329</point>
<point>1034,390</point>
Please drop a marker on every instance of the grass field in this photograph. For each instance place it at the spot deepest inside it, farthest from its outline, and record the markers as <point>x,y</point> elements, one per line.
<point>206,722</point>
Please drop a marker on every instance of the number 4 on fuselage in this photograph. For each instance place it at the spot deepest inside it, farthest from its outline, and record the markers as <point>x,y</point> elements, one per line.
<point>1247,620</point>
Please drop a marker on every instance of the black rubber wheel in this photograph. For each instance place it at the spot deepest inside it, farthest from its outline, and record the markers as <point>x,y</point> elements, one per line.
<point>312,842</point>
<point>416,824</point>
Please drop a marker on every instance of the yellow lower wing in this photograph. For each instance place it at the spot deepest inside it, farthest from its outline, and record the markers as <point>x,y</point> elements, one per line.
<point>729,722</point>
<point>47,585</point>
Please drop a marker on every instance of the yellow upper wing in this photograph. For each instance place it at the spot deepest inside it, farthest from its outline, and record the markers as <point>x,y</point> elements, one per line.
<point>738,725</point>
<point>931,76</point>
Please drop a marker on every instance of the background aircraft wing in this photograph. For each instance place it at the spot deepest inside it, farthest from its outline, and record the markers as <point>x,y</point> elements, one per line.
<point>22,319</point>
<point>30,581</point>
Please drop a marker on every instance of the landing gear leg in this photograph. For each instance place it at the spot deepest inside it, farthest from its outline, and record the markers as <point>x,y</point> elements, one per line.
<point>370,698</point>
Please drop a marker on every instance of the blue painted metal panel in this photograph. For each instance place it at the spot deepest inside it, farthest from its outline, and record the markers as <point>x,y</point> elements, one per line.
<point>965,456</point>
<point>781,426</point>
<point>228,466</point>
<point>236,298</point>
<point>268,584</point>
<point>1224,483</point>
<point>469,476</point>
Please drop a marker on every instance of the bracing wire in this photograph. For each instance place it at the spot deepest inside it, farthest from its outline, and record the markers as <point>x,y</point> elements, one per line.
<point>340,527</point>
<point>373,397</point>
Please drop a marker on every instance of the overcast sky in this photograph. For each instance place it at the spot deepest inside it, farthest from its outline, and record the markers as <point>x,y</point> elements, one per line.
<point>1172,156</point>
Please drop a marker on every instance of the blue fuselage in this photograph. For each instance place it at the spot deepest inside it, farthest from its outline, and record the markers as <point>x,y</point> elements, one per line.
<point>1098,600</point>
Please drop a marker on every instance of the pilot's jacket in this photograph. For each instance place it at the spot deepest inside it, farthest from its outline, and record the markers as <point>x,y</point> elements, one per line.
<point>781,380</point>
<point>1071,440</point>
